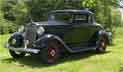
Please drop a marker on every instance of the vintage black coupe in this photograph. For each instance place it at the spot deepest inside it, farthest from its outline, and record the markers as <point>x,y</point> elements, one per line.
<point>65,31</point>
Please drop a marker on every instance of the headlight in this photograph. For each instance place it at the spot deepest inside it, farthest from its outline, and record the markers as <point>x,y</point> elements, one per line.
<point>13,41</point>
<point>21,29</point>
<point>40,30</point>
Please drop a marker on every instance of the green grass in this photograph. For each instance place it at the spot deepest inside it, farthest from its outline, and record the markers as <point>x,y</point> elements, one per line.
<point>110,61</point>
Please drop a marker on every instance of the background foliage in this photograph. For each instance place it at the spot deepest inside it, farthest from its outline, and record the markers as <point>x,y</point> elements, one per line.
<point>16,12</point>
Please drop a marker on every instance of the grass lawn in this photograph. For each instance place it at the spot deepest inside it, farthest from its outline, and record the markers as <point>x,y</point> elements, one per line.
<point>111,61</point>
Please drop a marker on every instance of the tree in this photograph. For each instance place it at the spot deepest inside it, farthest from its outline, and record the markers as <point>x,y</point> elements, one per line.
<point>18,11</point>
<point>104,11</point>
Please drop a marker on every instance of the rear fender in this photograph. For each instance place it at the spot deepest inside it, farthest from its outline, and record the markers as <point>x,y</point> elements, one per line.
<point>103,33</point>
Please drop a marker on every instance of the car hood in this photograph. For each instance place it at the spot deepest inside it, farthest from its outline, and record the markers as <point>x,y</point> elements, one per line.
<point>53,27</point>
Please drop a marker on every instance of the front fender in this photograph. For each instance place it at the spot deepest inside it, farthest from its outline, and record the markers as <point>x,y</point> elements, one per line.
<point>19,38</point>
<point>17,34</point>
<point>43,40</point>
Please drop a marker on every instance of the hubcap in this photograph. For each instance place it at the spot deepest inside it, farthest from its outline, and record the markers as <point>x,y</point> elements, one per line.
<point>51,55</point>
<point>51,52</point>
<point>14,41</point>
<point>103,44</point>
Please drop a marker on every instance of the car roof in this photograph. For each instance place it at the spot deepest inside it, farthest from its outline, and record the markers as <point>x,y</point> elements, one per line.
<point>72,11</point>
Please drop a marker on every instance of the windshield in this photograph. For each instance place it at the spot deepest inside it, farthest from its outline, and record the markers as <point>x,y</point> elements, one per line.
<point>69,17</point>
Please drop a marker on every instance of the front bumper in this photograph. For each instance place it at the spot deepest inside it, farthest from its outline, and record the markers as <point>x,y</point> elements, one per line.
<point>28,50</point>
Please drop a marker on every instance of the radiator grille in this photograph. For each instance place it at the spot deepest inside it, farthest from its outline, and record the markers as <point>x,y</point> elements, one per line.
<point>30,34</point>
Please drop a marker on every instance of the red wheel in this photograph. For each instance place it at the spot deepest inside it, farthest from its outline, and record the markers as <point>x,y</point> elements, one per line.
<point>102,45</point>
<point>51,53</point>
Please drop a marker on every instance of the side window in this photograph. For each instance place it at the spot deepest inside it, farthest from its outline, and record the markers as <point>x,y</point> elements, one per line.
<point>80,18</point>
<point>64,17</point>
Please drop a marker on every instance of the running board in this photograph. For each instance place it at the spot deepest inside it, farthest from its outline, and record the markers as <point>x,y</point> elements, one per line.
<point>80,49</point>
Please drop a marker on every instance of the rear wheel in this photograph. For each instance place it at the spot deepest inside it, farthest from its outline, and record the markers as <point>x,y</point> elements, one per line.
<point>102,44</point>
<point>51,53</point>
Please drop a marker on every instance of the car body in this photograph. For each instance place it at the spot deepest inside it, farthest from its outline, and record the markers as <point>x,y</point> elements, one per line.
<point>66,30</point>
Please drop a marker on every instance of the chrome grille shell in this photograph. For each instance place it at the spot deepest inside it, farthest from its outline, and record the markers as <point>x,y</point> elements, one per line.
<point>30,34</point>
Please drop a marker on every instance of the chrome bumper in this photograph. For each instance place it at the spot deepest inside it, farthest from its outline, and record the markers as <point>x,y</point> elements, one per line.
<point>28,50</point>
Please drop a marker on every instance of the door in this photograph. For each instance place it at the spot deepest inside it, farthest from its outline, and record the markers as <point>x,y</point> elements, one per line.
<point>80,32</point>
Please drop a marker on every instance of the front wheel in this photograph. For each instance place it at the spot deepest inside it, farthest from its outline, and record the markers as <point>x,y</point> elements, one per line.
<point>16,55</point>
<point>101,44</point>
<point>51,53</point>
